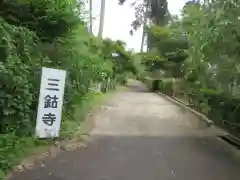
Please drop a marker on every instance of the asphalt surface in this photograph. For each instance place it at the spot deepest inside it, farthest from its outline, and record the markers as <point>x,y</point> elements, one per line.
<point>141,136</point>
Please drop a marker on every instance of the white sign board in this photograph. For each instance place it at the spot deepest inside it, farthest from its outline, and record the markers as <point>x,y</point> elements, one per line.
<point>50,103</point>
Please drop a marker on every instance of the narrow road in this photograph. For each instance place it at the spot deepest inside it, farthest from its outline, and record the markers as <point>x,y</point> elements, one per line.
<point>141,136</point>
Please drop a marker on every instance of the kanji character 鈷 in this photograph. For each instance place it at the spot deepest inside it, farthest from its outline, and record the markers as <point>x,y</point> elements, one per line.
<point>50,101</point>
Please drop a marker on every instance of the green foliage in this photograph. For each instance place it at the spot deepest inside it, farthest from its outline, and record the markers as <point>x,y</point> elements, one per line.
<point>121,59</point>
<point>153,10</point>
<point>201,48</point>
<point>212,32</point>
<point>153,61</point>
<point>48,33</point>
<point>167,52</point>
<point>164,85</point>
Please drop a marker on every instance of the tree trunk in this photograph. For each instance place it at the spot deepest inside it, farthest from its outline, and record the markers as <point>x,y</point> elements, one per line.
<point>90,16</point>
<point>101,24</point>
<point>144,24</point>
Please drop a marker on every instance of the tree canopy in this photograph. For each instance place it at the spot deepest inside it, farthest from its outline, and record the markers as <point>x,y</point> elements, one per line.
<point>49,33</point>
<point>154,11</point>
<point>200,48</point>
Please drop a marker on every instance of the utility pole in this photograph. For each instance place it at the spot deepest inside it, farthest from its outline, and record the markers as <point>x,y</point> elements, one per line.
<point>144,23</point>
<point>101,23</point>
<point>90,16</point>
<point>143,35</point>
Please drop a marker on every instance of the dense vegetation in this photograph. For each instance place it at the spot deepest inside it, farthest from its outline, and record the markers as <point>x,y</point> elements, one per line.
<point>49,33</point>
<point>195,58</point>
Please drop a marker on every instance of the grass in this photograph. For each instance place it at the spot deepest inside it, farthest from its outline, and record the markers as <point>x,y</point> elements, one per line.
<point>14,149</point>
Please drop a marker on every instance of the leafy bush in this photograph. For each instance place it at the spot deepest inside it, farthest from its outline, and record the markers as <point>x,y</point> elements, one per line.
<point>47,33</point>
<point>202,49</point>
<point>166,86</point>
<point>155,85</point>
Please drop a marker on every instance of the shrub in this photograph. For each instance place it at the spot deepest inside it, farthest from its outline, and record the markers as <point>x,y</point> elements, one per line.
<point>47,33</point>
<point>155,85</point>
<point>166,86</point>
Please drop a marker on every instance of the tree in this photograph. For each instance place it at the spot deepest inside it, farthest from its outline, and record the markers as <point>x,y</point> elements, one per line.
<point>202,49</point>
<point>122,60</point>
<point>157,12</point>
<point>167,52</point>
<point>149,12</point>
<point>49,33</point>
<point>212,67</point>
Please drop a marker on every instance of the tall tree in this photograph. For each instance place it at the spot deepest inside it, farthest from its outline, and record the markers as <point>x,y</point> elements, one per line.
<point>102,14</point>
<point>157,12</point>
<point>90,16</point>
<point>149,12</point>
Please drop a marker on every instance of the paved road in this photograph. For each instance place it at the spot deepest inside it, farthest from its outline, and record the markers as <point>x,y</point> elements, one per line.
<point>142,136</point>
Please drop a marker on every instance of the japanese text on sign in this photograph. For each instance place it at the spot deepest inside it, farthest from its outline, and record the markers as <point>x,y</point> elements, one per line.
<point>50,103</point>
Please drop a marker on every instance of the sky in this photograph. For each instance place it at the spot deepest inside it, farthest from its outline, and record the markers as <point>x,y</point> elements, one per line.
<point>118,20</point>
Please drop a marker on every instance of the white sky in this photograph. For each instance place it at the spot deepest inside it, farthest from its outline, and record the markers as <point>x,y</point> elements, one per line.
<point>118,20</point>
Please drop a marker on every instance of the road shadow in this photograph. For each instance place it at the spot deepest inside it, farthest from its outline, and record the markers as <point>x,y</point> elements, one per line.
<point>141,158</point>
<point>136,86</point>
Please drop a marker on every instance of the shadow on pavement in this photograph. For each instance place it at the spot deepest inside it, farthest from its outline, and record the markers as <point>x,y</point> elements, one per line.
<point>142,158</point>
<point>137,87</point>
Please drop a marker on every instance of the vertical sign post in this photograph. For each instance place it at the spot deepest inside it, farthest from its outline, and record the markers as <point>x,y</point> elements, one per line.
<point>50,103</point>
